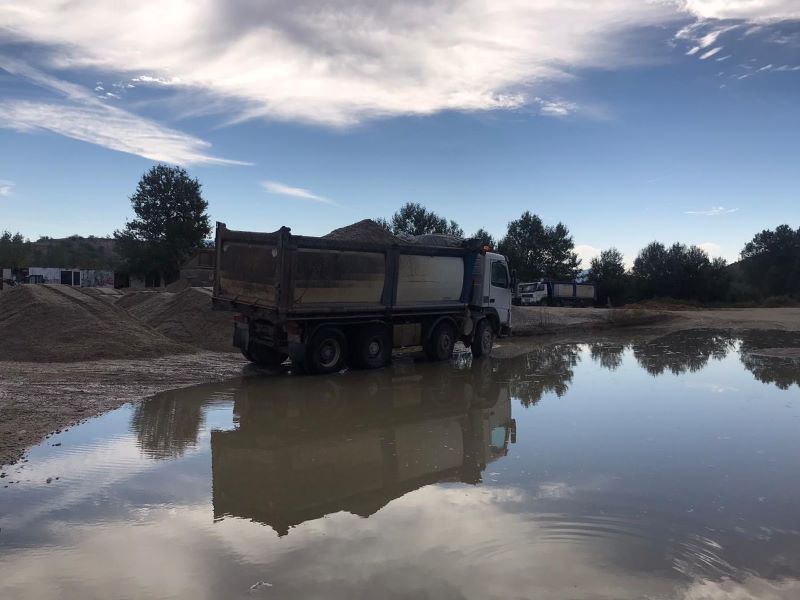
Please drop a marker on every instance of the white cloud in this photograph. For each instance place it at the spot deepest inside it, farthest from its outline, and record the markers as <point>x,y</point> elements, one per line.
<point>78,114</point>
<point>748,10</point>
<point>586,253</point>
<point>157,80</point>
<point>276,187</point>
<point>556,108</point>
<point>343,62</point>
<point>6,188</point>
<point>714,211</point>
<point>109,127</point>
<point>710,53</point>
<point>711,248</point>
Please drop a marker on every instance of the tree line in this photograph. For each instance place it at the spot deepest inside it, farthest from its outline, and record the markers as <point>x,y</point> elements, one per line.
<point>769,267</point>
<point>171,222</point>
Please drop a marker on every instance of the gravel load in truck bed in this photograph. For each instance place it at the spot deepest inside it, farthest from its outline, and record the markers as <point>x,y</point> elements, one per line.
<point>364,231</point>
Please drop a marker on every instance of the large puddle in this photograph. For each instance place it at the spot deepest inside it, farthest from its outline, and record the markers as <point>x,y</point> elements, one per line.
<point>667,468</point>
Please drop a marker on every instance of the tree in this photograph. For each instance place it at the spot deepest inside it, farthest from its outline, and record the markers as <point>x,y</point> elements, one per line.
<point>538,251</point>
<point>771,261</point>
<point>608,273</point>
<point>684,272</point>
<point>650,271</point>
<point>171,222</point>
<point>485,237</point>
<point>13,250</point>
<point>415,219</point>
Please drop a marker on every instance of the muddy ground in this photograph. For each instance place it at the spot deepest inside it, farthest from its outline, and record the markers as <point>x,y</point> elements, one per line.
<point>37,398</point>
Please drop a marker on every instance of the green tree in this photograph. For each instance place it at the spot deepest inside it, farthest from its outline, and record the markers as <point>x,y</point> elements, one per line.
<point>538,251</point>
<point>171,222</point>
<point>680,271</point>
<point>13,250</point>
<point>415,219</point>
<point>485,237</point>
<point>608,273</point>
<point>771,261</point>
<point>650,271</point>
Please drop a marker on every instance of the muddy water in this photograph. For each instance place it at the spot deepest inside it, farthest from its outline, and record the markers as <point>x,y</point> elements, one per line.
<point>662,468</point>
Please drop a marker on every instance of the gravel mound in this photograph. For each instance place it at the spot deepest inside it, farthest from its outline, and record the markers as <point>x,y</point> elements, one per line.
<point>55,323</point>
<point>178,286</point>
<point>438,239</point>
<point>364,231</point>
<point>185,317</point>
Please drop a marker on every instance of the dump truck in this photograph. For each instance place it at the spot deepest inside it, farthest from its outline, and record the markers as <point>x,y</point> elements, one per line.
<point>555,293</point>
<point>331,303</point>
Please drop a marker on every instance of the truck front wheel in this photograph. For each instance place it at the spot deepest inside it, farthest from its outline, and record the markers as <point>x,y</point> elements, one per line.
<point>326,352</point>
<point>483,339</point>
<point>441,342</point>
<point>373,347</point>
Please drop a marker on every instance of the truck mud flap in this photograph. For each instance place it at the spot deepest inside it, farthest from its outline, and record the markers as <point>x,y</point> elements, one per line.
<point>241,336</point>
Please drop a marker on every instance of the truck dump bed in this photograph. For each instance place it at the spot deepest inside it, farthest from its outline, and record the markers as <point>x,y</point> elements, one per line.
<point>296,275</point>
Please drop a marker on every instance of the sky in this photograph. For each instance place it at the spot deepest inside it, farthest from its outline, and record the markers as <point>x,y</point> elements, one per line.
<point>627,120</point>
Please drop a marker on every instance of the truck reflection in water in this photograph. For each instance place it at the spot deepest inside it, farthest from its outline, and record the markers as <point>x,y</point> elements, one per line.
<point>305,448</point>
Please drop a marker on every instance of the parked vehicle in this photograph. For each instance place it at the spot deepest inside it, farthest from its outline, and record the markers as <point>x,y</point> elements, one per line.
<point>328,303</point>
<point>556,293</point>
<point>523,293</point>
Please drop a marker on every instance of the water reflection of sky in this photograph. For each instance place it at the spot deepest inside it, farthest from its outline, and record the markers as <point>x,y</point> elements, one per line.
<point>664,468</point>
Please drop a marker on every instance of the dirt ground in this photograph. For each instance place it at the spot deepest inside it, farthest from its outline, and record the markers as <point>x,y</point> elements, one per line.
<point>531,321</point>
<point>37,398</point>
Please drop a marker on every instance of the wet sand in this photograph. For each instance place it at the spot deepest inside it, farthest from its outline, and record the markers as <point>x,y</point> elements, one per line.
<point>37,399</point>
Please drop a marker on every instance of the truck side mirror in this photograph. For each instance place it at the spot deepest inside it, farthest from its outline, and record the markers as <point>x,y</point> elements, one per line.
<point>513,279</point>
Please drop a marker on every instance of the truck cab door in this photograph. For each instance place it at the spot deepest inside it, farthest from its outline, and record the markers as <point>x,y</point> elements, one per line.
<point>500,291</point>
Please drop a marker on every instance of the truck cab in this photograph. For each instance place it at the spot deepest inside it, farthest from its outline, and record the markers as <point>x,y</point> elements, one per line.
<point>531,293</point>
<point>498,287</point>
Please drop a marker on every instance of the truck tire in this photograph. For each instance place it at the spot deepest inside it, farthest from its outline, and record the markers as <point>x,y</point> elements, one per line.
<point>372,347</point>
<point>326,351</point>
<point>441,342</point>
<point>264,356</point>
<point>483,339</point>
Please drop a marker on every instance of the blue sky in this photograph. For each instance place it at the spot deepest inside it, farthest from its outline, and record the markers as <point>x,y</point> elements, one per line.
<point>627,120</point>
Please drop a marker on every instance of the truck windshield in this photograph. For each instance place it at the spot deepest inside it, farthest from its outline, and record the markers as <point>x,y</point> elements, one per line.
<point>526,289</point>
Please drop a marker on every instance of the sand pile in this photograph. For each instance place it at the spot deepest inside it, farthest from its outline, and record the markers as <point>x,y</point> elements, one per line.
<point>178,286</point>
<point>185,317</point>
<point>370,231</point>
<point>364,231</point>
<point>57,323</point>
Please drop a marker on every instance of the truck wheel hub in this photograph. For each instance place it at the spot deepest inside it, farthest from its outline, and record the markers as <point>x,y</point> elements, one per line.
<point>374,348</point>
<point>329,352</point>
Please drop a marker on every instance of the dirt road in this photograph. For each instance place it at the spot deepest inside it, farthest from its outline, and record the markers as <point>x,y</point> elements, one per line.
<point>529,321</point>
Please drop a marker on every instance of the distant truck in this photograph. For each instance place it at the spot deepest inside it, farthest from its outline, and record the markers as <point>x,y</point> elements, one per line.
<point>555,293</point>
<point>328,303</point>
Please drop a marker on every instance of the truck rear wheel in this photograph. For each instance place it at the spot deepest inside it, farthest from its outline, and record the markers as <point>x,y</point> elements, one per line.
<point>326,352</point>
<point>483,339</point>
<point>373,347</point>
<point>441,342</point>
